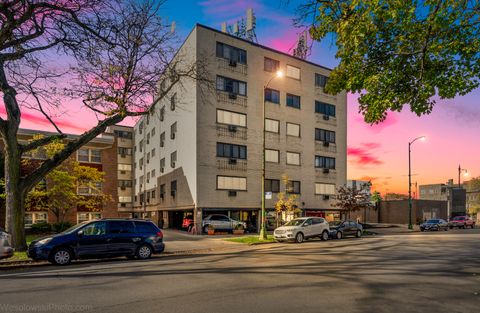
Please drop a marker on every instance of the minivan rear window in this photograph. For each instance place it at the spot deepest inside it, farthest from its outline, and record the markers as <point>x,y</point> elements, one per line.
<point>145,227</point>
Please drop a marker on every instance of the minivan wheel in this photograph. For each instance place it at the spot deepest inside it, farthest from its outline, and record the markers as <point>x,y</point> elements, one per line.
<point>339,235</point>
<point>61,256</point>
<point>359,234</point>
<point>144,252</point>
<point>299,238</point>
<point>324,236</point>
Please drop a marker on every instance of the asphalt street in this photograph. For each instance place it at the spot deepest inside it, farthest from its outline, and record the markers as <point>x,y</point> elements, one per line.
<point>419,272</point>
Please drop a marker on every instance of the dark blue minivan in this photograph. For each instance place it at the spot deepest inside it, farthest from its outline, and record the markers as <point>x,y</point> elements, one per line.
<point>104,238</point>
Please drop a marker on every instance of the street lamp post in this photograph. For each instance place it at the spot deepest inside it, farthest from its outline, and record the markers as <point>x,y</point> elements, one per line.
<point>410,226</point>
<point>263,226</point>
<point>460,171</point>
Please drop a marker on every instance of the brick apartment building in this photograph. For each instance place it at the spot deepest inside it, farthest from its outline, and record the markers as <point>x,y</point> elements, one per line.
<point>111,153</point>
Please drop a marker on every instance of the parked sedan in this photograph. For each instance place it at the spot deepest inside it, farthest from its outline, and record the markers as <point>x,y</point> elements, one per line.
<point>221,222</point>
<point>302,228</point>
<point>6,249</point>
<point>100,239</point>
<point>461,222</point>
<point>340,229</point>
<point>434,224</point>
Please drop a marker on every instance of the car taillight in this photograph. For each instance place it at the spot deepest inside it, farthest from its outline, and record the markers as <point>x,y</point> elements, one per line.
<point>160,235</point>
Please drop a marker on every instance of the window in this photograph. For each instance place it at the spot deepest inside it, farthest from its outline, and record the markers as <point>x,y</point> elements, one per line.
<point>125,183</point>
<point>148,177</point>
<point>272,156</point>
<point>95,229</point>
<point>173,101</point>
<point>162,165</point>
<point>124,151</point>
<point>293,158</point>
<point>231,183</point>
<point>162,191</point>
<point>124,167</point>
<point>226,150</point>
<point>83,155</point>
<point>93,188</point>
<point>231,53</point>
<point>162,139</point>
<point>173,130</point>
<point>324,135</point>
<point>293,101</point>
<point>140,145</point>
<point>34,218</point>
<point>121,227</point>
<point>324,162</point>
<point>153,152</point>
<point>231,85</point>
<point>270,65</point>
<point>89,155</point>
<point>272,126</point>
<point>293,72</point>
<point>173,187</point>
<point>320,80</point>
<point>162,113</point>
<point>324,189</point>
<point>293,129</point>
<point>140,127</point>
<point>153,173</point>
<point>173,159</point>
<point>324,108</point>
<point>123,134</point>
<point>153,132</point>
<point>231,118</point>
<point>145,228</point>
<point>272,185</point>
<point>293,186</point>
<point>272,95</point>
<point>148,157</point>
<point>153,194</point>
<point>148,138</point>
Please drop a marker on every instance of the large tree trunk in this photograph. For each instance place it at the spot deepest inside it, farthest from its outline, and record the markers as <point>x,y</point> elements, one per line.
<point>15,193</point>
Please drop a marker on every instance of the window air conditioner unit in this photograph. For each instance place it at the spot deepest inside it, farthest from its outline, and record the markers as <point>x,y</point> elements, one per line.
<point>232,96</point>
<point>172,193</point>
<point>326,117</point>
<point>172,136</point>
<point>326,170</point>
<point>232,63</point>
<point>161,144</point>
<point>232,161</point>
<point>232,193</point>
<point>162,170</point>
<point>173,164</point>
<point>326,143</point>
<point>326,197</point>
<point>232,128</point>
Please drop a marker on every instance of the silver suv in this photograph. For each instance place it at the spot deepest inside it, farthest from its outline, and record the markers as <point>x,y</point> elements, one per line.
<point>303,228</point>
<point>221,222</point>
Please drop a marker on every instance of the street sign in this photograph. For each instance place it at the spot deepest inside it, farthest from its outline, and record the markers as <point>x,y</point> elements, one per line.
<point>268,195</point>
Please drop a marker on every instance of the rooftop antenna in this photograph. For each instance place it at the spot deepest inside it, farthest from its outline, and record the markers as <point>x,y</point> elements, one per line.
<point>302,50</point>
<point>243,28</point>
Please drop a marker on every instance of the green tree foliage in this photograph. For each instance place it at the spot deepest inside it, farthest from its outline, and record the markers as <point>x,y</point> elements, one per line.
<point>396,53</point>
<point>59,193</point>
<point>286,201</point>
<point>473,195</point>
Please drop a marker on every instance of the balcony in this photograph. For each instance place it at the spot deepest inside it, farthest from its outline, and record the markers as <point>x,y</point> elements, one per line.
<point>323,147</point>
<point>231,66</point>
<point>230,131</point>
<point>231,99</point>
<point>228,165</point>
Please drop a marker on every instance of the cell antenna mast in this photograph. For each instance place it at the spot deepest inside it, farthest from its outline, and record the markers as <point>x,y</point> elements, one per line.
<point>243,28</point>
<point>302,49</point>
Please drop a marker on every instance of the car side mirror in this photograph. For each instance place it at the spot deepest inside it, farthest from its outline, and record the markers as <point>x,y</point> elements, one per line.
<point>80,233</point>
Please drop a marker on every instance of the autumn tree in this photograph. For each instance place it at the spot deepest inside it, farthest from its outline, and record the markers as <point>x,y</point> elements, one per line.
<point>351,199</point>
<point>473,200</point>
<point>397,53</point>
<point>109,54</point>
<point>68,186</point>
<point>286,203</point>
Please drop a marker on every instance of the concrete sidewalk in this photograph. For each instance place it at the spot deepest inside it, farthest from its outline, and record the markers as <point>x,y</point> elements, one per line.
<point>387,229</point>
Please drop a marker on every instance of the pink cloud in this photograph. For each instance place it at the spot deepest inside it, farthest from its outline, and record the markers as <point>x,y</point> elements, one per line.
<point>364,154</point>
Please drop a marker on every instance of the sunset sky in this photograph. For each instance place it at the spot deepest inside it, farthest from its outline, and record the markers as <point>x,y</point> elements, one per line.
<point>377,153</point>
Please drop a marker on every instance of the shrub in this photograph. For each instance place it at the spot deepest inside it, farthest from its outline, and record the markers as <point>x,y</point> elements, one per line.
<point>61,226</point>
<point>39,228</point>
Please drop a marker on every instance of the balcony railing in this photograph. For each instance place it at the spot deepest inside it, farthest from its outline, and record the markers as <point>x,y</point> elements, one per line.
<point>330,148</point>
<point>230,165</point>
<point>229,131</point>
<point>231,99</point>
<point>231,66</point>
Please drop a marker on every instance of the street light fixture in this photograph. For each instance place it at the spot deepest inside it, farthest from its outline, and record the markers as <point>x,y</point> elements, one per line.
<point>263,227</point>
<point>410,226</point>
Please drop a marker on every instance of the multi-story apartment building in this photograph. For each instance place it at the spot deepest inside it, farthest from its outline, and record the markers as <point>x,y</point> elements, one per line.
<point>110,153</point>
<point>450,192</point>
<point>200,151</point>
